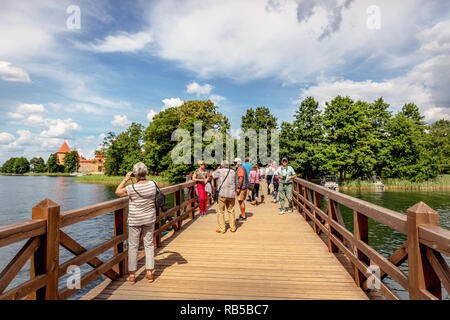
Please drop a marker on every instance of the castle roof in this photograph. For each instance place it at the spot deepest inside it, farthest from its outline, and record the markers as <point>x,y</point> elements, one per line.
<point>64,148</point>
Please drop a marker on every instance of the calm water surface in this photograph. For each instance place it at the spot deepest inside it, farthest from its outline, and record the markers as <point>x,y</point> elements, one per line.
<point>18,194</point>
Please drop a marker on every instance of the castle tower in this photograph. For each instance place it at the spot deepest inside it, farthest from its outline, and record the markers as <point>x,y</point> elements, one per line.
<point>61,153</point>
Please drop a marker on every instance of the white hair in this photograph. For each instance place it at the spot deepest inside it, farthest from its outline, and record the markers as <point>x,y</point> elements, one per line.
<point>140,170</point>
<point>225,164</point>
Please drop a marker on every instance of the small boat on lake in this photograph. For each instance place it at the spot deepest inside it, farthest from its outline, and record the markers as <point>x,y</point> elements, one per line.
<point>330,181</point>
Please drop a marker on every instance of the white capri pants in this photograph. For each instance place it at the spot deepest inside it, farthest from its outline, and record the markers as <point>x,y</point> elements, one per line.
<point>134,233</point>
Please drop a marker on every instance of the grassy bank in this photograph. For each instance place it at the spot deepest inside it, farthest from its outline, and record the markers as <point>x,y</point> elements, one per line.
<point>115,180</point>
<point>441,182</point>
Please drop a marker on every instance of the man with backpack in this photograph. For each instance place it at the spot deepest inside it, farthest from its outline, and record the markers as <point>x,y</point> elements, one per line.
<point>286,175</point>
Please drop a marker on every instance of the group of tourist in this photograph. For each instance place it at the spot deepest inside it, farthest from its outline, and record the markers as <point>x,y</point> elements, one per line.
<point>232,183</point>
<point>242,181</point>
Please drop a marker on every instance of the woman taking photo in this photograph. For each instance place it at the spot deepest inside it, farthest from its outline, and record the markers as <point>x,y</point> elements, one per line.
<point>200,176</point>
<point>141,218</point>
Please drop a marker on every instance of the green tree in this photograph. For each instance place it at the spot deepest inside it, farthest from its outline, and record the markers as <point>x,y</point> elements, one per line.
<point>349,129</point>
<point>308,136</point>
<point>188,113</point>
<point>124,150</point>
<point>157,138</point>
<point>379,116</point>
<point>438,143</point>
<point>21,166</point>
<point>52,164</point>
<point>259,119</point>
<point>8,166</point>
<point>411,111</point>
<point>37,165</point>
<point>71,161</point>
<point>407,153</point>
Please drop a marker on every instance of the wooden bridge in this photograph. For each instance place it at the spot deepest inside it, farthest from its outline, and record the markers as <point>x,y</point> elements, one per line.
<point>308,254</point>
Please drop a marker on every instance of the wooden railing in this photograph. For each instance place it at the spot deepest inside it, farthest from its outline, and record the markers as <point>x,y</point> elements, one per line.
<point>428,271</point>
<point>44,237</point>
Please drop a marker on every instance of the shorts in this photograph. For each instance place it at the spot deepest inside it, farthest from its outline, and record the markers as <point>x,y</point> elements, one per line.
<point>242,195</point>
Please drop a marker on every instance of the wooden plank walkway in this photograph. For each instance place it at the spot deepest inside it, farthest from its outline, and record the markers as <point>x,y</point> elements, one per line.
<point>270,256</point>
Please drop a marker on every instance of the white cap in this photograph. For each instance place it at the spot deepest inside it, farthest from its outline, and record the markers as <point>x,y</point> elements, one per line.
<point>237,160</point>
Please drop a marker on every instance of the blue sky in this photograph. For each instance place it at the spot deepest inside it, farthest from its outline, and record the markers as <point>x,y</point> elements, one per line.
<point>130,59</point>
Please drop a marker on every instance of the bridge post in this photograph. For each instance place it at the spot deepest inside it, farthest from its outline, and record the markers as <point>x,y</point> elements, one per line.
<point>120,227</point>
<point>46,258</point>
<point>422,277</point>
<point>307,197</point>
<point>361,232</point>
<point>317,204</point>
<point>177,198</point>
<point>332,247</point>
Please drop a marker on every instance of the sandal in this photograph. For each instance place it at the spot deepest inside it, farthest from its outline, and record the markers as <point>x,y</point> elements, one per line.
<point>149,277</point>
<point>131,278</point>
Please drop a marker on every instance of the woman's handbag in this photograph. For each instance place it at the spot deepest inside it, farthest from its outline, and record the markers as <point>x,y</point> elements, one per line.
<point>160,198</point>
<point>216,193</point>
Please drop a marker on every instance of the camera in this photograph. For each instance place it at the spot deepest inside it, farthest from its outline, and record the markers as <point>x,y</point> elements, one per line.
<point>132,174</point>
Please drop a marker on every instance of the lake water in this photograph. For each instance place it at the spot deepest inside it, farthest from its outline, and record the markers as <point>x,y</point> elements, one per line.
<point>18,194</point>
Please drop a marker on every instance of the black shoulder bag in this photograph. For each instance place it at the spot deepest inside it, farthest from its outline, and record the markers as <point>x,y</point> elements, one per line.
<point>160,198</point>
<point>216,193</point>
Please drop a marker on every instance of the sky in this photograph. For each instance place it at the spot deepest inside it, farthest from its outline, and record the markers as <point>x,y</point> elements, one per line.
<point>75,70</point>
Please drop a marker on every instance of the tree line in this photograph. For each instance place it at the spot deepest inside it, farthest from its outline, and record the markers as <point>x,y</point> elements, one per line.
<point>37,165</point>
<point>348,138</point>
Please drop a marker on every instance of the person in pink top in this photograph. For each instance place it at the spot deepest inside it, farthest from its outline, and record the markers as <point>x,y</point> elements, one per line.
<point>254,179</point>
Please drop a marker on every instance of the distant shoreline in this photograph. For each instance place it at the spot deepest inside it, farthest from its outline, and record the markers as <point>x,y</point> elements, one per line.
<point>62,174</point>
<point>441,182</point>
<point>115,180</point>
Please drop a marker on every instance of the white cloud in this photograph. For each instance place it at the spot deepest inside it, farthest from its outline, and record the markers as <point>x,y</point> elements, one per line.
<point>151,114</point>
<point>6,138</point>
<point>11,73</point>
<point>122,42</point>
<point>15,115</point>
<point>84,107</point>
<point>63,129</point>
<point>31,108</point>
<point>50,144</point>
<point>194,88</point>
<point>216,98</point>
<point>434,114</point>
<point>120,121</point>
<point>35,121</point>
<point>172,102</point>
<point>54,106</point>
<point>246,40</point>
<point>25,137</point>
<point>426,84</point>
<point>101,136</point>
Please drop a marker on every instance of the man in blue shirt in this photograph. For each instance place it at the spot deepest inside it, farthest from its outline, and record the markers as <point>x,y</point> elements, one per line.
<point>248,167</point>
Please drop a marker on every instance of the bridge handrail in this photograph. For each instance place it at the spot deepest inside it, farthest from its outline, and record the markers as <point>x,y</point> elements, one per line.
<point>44,238</point>
<point>427,269</point>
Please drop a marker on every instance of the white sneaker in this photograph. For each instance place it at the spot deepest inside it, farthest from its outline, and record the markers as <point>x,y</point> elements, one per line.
<point>291,210</point>
<point>282,211</point>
